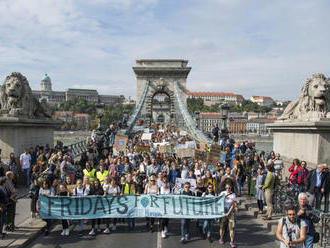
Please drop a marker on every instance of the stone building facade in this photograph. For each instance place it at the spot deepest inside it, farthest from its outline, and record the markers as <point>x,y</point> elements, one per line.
<point>211,98</point>
<point>58,97</point>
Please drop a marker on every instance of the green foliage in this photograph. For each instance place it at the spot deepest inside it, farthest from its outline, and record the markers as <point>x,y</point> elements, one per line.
<point>78,106</point>
<point>114,113</point>
<point>197,104</point>
<point>249,106</point>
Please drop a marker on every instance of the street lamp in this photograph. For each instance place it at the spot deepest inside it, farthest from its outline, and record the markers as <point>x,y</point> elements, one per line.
<point>224,108</point>
<point>99,111</point>
<point>197,118</point>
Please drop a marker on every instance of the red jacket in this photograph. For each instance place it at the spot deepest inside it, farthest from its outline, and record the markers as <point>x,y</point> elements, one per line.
<point>297,176</point>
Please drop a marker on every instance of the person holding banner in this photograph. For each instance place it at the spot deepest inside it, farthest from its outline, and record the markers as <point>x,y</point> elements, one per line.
<point>229,218</point>
<point>164,190</point>
<point>151,188</point>
<point>63,191</point>
<point>45,190</point>
<point>185,223</point>
<point>130,189</point>
<point>80,190</point>
<point>96,190</point>
<point>111,189</point>
<point>207,226</point>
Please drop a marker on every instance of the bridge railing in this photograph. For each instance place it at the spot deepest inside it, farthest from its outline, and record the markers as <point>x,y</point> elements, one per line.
<point>78,148</point>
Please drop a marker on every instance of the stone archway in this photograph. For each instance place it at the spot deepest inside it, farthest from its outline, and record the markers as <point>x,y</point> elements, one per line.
<point>156,108</point>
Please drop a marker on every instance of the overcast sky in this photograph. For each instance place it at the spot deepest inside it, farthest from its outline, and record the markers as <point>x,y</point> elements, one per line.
<point>246,47</point>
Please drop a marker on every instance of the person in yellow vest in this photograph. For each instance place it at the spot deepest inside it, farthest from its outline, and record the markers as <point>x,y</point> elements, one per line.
<point>90,172</point>
<point>129,189</point>
<point>102,174</point>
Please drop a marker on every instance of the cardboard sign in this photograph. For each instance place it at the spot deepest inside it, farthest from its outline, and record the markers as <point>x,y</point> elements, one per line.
<point>179,185</point>
<point>165,149</point>
<point>191,144</point>
<point>146,136</point>
<point>143,148</point>
<point>213,155</point>
<point>202,146</point>
<point>185,153</point>
<point>183,133</point>
<point>120,143</point>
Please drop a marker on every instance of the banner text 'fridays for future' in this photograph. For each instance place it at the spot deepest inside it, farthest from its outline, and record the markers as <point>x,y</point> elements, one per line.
<point>132,206</point>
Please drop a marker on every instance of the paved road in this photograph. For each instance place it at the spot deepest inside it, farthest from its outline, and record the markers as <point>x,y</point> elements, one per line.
<point>249,232</point>
<point>22,206</point>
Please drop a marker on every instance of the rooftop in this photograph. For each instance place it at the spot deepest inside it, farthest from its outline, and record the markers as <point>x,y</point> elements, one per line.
<point>261,98</point>
<point>196,93</point>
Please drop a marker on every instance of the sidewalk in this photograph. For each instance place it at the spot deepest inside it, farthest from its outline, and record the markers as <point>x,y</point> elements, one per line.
<point>27,229</point>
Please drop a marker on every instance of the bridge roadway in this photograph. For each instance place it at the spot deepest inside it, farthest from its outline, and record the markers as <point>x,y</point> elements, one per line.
<point>249,233</point>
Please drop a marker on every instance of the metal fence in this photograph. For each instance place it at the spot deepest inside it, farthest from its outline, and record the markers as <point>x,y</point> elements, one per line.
<point>78,148</point>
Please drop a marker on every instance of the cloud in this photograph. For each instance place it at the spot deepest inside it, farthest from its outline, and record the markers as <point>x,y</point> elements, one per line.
<point>247,47</point>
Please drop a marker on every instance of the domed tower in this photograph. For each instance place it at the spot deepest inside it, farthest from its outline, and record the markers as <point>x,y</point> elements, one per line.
<point>46,83</point>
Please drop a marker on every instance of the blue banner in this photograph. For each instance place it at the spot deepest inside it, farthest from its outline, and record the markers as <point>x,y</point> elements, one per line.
<point>131,206</point>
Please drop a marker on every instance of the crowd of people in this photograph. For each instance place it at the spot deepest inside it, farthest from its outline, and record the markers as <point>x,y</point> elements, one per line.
<point>56,171</point>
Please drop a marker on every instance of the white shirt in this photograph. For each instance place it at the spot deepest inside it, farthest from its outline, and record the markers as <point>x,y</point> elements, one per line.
<point>111,191</point>
<point>80,192</point>
<point>294,229</point>
<point>26,160</point>
<point>229,199</point>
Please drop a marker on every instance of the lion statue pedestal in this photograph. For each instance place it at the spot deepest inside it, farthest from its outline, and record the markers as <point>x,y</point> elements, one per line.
<point>23,122</point>
<point>303,131</point>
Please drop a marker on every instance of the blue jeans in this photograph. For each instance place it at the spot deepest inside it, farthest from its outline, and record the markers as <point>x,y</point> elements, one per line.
<point>239,187</point>
<point>185,223</point>
<point>309,241</point>
<point>207,227</point>
<point>27,175</point>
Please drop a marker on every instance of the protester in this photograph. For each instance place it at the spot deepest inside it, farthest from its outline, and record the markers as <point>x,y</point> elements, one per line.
<point>291,231</point>
<point>229,218</point>
<point>4,201</point>
<point>325,189</point>
<point>258,191</point>
<point>96,190</point>
<point>207,226</point>
<point>25,162</point>
<point>185,223</point>
<point>11,208</point>
<point>314,184</point>
<point>45,190</point>
<point>80,190</point>
<point>164,190</point>
<point>269,191</point>
<point>63,191</point>
<point>306,213</point>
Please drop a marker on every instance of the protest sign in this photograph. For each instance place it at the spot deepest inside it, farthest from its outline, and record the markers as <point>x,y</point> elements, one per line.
<point>146,136</point>
<point>165,149</point>
<point>191,144</point>
<point>185,153</point>
<point>179,185</point>
<point>213,155</point>
<point>183,133</point>
<point>140,148</point>
<point>120,143</point>
<point>131,206</point>
<point>202,145</point>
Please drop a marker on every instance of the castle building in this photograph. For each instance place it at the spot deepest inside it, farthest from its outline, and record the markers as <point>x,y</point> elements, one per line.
<point>58,97</point>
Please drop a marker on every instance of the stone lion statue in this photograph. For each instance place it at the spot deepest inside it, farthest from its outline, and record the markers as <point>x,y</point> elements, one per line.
<point>313,102</point>
<point>16,98</point>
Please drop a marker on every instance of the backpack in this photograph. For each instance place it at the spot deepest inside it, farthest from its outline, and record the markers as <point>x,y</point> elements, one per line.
<point>287,229</point>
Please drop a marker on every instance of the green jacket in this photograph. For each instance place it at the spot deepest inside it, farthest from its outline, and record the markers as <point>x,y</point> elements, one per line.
<point>269,182</point>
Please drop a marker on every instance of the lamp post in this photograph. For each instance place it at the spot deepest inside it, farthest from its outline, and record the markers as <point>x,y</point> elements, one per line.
<point>197,118</point>
<point>224,108</point>
<point>99,111</point>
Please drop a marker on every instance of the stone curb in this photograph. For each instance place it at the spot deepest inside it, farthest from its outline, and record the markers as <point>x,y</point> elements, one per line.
<point>24,238</point>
